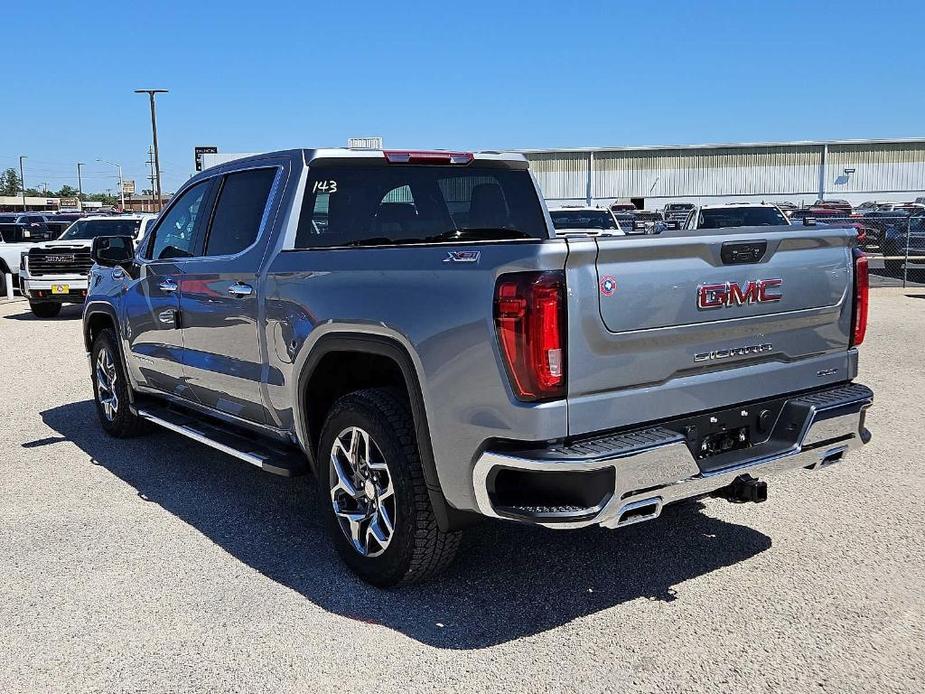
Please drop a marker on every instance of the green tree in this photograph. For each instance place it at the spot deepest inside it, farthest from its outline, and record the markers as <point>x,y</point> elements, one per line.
<point>104,198</point>
<point>66,191</point>
<point>9,182</point>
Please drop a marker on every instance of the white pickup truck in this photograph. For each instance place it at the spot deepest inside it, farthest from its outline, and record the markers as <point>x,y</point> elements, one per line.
<point>56,273</point>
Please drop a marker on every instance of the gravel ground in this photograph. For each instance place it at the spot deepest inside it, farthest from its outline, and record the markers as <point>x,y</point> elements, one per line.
<point>157,564</point>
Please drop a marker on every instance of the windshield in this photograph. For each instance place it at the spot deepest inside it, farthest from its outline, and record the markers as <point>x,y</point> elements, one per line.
<point>723,217</point>
<point>582,219</point>
<point>85,229</point>
<point>350,205</point>
<point>679,206</point>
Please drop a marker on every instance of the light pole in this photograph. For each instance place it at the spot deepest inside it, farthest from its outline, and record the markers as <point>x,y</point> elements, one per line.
<point>121,185</point>
<point>22,181</point>
<point>157,164</point>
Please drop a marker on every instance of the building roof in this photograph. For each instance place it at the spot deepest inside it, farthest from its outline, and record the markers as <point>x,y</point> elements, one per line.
<point>731,145</point>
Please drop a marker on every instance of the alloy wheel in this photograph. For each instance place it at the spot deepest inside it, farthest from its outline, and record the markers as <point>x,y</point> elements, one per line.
<point>361,492</point>
<point>106,376</point>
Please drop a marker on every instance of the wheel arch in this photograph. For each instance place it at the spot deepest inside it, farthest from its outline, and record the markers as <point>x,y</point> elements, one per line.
<point>97,316</point>
<point>377,347</point>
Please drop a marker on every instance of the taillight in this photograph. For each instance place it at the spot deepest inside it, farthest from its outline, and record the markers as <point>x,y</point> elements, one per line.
<point>861,292</point>
<point>530,319</point>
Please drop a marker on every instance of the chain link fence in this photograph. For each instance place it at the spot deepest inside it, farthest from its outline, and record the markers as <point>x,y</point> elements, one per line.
<point>895,237</point>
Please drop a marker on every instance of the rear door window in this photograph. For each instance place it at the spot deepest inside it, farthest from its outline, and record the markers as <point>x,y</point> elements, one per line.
<point>239,211</point>
<point>349,205</point>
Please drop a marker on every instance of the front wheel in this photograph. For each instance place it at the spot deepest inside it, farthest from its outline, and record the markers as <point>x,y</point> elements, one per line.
<point>375,501</point>
<point>45,309</point>
<point>111,389</point>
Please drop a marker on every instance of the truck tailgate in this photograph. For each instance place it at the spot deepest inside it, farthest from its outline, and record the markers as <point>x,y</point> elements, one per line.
<point>667,325</point>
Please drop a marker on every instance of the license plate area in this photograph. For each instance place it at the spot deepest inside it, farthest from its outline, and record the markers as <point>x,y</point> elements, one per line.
<point>725,441</point>
<point>60,289</point>
<point>720,438</point>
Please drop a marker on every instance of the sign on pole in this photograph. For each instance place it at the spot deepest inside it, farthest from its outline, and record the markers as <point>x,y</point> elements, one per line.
<point>128,187</point>
<point>203,150</point>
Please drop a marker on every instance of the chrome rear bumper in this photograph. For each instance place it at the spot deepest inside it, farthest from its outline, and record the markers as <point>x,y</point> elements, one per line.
<point>654,466</point>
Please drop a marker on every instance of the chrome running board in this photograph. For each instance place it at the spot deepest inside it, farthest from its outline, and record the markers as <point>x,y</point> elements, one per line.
<point>250,449</point>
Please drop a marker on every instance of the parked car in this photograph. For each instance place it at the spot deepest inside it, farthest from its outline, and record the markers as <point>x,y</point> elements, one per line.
<point>841,206</point>
<point>622,207</point>
<point>903,237</point>
<point>645,222</point>
<point>677,212</point>
<point>735,215</point>
<point>582,220</point>
<point>56,273</point>
<point>407,326</point>
<point>26,227</point>
<point>10,254</point>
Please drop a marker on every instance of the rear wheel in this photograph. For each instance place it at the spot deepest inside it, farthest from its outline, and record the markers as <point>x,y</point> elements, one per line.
<point>377,507</point>
<point>45,309</point>
<point>111,389</point>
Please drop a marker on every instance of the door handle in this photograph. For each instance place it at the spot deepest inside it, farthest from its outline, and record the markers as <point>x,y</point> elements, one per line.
<point>168,286</point>
<point>239,289</point>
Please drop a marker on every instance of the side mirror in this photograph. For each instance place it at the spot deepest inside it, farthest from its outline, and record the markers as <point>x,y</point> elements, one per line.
<point>112,251</point>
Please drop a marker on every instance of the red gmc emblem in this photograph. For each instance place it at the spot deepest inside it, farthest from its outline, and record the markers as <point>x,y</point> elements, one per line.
<point>734,294</point>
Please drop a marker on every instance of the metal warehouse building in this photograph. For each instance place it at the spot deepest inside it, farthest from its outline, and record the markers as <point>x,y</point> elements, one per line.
<point>799,172</point>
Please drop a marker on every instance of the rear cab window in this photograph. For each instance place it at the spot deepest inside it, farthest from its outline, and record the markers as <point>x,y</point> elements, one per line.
<point>724,217</point>
<point>368,204</point>
<point>240,208</point>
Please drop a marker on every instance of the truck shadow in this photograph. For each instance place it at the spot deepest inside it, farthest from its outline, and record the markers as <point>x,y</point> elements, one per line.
<point>508,582</point>
<point>68,313</point>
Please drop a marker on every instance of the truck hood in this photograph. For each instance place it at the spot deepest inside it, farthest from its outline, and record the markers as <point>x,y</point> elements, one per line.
<point>76,244</point>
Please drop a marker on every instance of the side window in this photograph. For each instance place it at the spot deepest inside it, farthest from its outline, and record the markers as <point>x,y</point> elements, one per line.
<point>239,211</point>
<point>174,236</point>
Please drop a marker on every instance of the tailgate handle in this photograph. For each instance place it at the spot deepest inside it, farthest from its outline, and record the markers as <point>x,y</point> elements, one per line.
<point>742,252</point>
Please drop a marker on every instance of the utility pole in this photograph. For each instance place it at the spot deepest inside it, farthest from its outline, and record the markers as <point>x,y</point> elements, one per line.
<point>22,181</point>
<point>80,188</point>
<point>157,164</point>
<point>150,164</point>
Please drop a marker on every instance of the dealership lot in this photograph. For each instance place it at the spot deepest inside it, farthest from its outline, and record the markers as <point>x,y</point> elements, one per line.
<point>155,563</point>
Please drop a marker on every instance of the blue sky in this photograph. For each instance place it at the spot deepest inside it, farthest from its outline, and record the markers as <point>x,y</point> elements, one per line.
<point>251,76</point>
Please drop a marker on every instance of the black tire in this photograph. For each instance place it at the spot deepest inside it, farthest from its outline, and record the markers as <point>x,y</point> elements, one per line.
<point>123,423</point>
<point>418,549</point>
<point>45,309</point>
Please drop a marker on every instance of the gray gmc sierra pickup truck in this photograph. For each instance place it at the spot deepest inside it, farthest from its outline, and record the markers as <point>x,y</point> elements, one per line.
<point>406,326</point>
